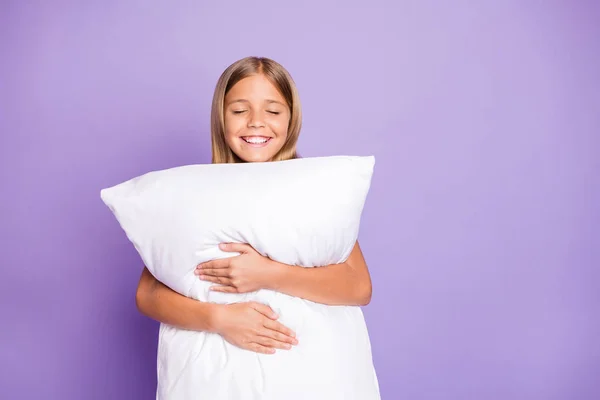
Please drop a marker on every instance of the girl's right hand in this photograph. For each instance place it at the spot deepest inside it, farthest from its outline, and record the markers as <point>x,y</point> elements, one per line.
<point>253,326</point>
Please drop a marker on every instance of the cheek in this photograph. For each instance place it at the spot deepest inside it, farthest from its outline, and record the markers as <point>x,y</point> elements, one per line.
<point>229,140</point>
<point>232,127</point>
<point>280,126</point>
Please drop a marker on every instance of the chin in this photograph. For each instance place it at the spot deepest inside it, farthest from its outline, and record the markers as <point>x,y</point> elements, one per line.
<point>255,157</point>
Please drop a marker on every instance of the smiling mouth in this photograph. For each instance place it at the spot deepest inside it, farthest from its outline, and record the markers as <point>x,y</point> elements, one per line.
<point>256,140</point>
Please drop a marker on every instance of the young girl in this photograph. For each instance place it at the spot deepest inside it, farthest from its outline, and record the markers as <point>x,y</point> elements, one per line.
<point>256,117</point>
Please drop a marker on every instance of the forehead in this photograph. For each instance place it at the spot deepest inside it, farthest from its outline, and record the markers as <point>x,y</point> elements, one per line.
<point>255,88</point>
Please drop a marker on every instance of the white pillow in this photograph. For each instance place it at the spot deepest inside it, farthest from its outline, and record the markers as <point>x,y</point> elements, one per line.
<point>302,212</point>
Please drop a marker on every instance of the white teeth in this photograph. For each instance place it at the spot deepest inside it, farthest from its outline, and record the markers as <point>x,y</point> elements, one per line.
<point>255,140</point>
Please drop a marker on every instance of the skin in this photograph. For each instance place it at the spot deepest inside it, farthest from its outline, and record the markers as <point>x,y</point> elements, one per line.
<point>255,111</point>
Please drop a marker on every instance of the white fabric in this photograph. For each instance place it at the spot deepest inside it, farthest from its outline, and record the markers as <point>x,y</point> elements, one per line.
<point>302,212</point>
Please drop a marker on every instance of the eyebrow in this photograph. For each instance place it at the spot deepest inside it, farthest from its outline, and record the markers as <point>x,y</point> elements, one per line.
<point>246,101</point>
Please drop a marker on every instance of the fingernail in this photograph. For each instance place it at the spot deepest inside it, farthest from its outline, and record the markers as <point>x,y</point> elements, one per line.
<point>288,346</point>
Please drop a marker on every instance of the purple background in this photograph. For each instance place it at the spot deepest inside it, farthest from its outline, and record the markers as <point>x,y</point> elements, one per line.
<point>481,228</point>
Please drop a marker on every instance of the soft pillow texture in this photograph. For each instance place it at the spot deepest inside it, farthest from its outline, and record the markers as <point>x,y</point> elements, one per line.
<point>303,212</point>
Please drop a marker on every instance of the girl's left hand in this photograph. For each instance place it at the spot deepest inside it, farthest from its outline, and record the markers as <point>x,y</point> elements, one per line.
<point>247,272</point>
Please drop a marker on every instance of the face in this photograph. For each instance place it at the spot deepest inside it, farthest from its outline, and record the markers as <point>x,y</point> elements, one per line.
<point>256,119</point>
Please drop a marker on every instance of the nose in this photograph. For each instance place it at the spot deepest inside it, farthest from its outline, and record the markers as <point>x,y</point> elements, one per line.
<point>255,121</point>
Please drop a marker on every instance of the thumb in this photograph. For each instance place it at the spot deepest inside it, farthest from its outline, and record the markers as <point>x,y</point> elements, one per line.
<point>265,310</point>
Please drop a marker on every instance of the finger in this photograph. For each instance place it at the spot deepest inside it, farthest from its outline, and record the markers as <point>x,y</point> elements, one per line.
<point>214,264</point>
<point>208,264</point>
<point>264,310</point>
<point>269,342</point>
<point>236,247</point>
<point>260,348</point>
<point>224,289</point>
<point>223,272</point>
<point>216,279</point>
<point>278,327</point>
<point>278,336</point>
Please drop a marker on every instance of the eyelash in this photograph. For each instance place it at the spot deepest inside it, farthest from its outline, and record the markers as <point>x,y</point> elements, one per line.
<point>272,112</point>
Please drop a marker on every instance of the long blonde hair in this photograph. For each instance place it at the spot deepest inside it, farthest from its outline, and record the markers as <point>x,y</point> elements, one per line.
<point>281,79</point>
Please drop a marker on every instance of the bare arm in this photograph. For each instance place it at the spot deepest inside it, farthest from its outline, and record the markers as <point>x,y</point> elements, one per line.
<point>161,303</point>
<point>348,283</point>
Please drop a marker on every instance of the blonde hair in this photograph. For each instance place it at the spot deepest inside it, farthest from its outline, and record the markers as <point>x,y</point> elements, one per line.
<point>281,79</point>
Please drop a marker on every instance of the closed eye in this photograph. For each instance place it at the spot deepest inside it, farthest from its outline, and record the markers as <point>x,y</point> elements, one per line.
<point>243,111</point>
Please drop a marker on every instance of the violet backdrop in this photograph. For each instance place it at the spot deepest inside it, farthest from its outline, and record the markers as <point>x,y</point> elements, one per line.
<point>480,230</point>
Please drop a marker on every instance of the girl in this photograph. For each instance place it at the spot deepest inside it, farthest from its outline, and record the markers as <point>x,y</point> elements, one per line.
<point>256,117</point>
